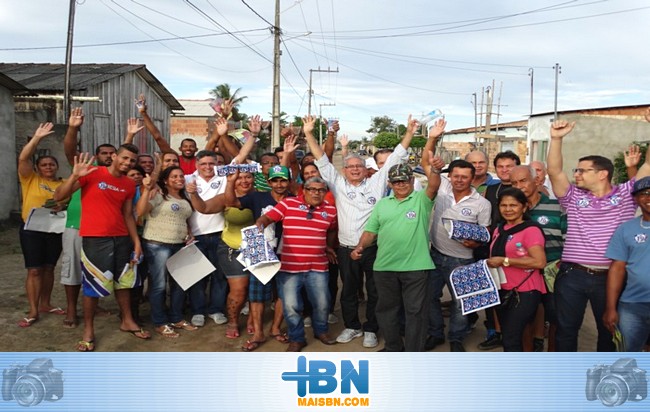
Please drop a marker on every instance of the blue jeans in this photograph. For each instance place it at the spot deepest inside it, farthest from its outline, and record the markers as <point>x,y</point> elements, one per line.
<point>289,287</point>
<point>573,289</point>
<point>157,255</point>
<point>208,245</point>
<point>634,323</point>
<point>458,324</point>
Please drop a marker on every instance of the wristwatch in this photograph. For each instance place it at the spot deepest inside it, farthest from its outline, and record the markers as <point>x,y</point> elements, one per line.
<point>506,262</point>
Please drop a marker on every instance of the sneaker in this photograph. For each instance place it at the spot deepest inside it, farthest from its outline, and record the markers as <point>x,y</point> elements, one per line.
<point>332,318</point>
<point>218,318</point>
<point>307,321</point>
<point>348,334</point>
<point>492,342</point>
<point>369,340</point>
<point>198,320</point>
<point>245,310</point>
<point>456,347</point>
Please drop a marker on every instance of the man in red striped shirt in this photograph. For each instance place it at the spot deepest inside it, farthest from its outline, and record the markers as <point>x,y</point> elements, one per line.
<point>309,232</point>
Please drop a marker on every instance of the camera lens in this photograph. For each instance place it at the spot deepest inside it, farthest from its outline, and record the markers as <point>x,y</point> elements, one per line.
<point>612,391</point>
<point>28,391</point>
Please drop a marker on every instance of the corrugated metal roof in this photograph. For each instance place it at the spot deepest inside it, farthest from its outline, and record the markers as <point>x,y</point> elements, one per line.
<point>45,77</point>
<point>12,85</point>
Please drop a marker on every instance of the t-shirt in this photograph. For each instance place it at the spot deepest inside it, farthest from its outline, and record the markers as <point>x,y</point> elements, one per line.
<point>73,217</point>
<point>402,233</point>
<point>529,237</point>
<point>102,197</point>
<point>36,191</point>
<point>304,237</point>
<point>631,244</point>
<point>261,184</point>
<point>204,224</point>
<point>188,166</point>
<point>236,220</point>
<point>167,220</point>
<point>592,221</point>
<point>553,220</point>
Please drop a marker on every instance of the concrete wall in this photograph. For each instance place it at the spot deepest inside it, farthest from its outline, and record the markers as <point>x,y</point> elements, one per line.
<point>8,156</point>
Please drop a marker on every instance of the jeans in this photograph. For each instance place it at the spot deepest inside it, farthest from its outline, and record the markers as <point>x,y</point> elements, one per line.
<point>157,255</point>
<point>333,285</point>
<point>351,271</point>
<point>458,324</point>
<point>634,324</point>
<point>407,291</point>
<point>289,287</point>
<point>208,245</point>
<point>513,320</point>
<point>573,288</point>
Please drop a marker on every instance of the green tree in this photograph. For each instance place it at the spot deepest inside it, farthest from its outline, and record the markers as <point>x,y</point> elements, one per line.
<point>620,171</point>
<point>223,91</point>
<point>379,124</point>
<point>386,140</point>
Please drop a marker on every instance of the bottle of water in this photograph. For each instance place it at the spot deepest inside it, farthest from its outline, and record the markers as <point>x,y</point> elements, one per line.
<point>430,117</point>
<point>521,251</point>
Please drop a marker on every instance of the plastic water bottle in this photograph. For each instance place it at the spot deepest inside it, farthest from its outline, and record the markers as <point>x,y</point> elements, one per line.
<point>430,117</point>
<point>521,251</point>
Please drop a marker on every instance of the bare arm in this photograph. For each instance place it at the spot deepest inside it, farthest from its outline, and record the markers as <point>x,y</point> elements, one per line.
<point>151,127</point>
<point>330,142</point>
<point>289,160</point>
<point>25,164</point>
<point>82,166</point>
<point>263,221</point>
<point>70,140</point>
<point>143,207</point>
<point>230,197</point>
<point>129,220</point>
<point>367,239</point>
<point>435,166</point>
<point>554,161</point>
<point>535,260</point>
<point>133,127</point>
<point>613,289</point>
<point>308,127</point>
<point>344,145</point>
<point>430,147</point>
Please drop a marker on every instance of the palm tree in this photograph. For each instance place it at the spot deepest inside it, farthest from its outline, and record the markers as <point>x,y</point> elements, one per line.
<point>223,91</point>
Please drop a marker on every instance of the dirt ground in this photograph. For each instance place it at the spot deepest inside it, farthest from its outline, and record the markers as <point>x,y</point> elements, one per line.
<point>48,334</point>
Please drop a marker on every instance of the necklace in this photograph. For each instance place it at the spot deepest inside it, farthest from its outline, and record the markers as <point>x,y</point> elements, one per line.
<point>641,223</point>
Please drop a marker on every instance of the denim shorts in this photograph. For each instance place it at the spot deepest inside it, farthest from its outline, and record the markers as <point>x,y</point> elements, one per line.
<point>228,262</point>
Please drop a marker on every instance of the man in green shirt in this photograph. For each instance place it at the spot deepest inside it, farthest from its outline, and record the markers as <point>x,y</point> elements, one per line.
<point>399,223</point>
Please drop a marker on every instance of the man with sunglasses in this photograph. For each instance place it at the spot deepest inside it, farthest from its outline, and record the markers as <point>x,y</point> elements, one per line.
<point>308,238</point>
<point>595,208</point>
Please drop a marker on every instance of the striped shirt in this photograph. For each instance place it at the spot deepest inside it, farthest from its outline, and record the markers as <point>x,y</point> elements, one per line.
<point>355,203</point>
<point>550,216</point>
<point>592,221</point>
<point>304,236</point>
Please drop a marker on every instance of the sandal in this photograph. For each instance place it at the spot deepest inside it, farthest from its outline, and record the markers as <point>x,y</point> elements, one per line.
<point>27,322</point>
<point>281,337</point>
<point>250,346</point>
<point>70,323</point>
<point>185,325</point>
<point>54,311</point>
<point>86,346</point>
<point>138,333</point>
<point>232,332</point>
<point>250,330</point>
<point>167,331</point>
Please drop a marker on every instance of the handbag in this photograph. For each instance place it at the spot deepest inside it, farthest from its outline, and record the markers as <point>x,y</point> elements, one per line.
<point>510,299</point>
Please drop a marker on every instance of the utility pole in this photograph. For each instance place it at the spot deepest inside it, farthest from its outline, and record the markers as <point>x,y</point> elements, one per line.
<point>311,92</point>
<point>531,73</point>
<point>275,135</point>
<point>558,70</point>
<point>320,129</point>
<point>68,62</point>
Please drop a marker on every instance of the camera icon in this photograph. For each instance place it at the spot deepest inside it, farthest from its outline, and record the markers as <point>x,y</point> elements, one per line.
<point>615,384</point>
<point>30,385</point>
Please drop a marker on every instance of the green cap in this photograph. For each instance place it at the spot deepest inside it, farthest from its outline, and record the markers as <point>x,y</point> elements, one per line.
<point>279,171</point>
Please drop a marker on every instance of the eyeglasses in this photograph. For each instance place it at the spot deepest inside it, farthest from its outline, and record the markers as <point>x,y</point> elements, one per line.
<point>314,190</point>
<point>581,171</point>
<point>310,213</point>
<point>355,166</point>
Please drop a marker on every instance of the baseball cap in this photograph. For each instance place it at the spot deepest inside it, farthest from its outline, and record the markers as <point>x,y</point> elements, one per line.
<point>400,173</point>
<point>279,171</point>
<point>371,164</point>
<point>641,185</point>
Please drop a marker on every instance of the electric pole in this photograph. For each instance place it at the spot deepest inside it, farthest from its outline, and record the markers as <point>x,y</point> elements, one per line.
<point>275,135</point>
<point>558,70</point>
<point>320,129</point>
<point>531,73</point>
<point>68,62</point>
<point>310,90</point>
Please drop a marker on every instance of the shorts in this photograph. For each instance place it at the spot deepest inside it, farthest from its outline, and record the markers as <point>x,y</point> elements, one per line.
<point>257,291</point>
<point>230,266</point>
<point>71,257</point>
<point>39,248</point>
<point>103,264</point>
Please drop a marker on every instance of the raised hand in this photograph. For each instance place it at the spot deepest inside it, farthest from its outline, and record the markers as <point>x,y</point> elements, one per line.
<point>43,130</point>
<point>335,127</point>
<point>343,140</point>
<point>133,126</point>
<point>222,126</point>
<point>308,123</point>
<point>83,165</point>
<point>141,104</point>
<point>438,128</point>
<point>226,108</point>
<point>255,124</point>
<point>561,128</point>
<point>632,156</point>
<point>290,144</point>
<point>436,162</point>
<point>412,125</point>
<point>76,117</point>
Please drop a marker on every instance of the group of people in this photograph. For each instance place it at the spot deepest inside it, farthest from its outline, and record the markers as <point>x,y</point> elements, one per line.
<point>559,244</point>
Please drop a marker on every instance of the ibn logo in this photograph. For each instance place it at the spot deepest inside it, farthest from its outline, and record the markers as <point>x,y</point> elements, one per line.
<point>320,377</point>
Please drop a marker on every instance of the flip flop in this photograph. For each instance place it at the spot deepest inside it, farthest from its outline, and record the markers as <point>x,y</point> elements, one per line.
<point>27,322</point>
<point>54,311</point>
<point>250,330</point>
<point>69,324</point>
<point>86,346</point>
<point>138,333</point>
<point>250,346</point>
<point>280,337</point>
<point>232,332</point>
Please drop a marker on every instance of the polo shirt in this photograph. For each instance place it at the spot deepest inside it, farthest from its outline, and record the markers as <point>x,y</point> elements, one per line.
<point>553,220</point>
<point>261,184</point>
<point>631,244</point>
<point>401,229</point>
<point>355,203</point>
<point>592,221</point>
<point>473,209</point>
<point>304,241</point>
<point>204,224</point>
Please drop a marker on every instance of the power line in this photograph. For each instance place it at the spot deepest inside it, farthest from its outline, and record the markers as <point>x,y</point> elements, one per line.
<point>256,13</point>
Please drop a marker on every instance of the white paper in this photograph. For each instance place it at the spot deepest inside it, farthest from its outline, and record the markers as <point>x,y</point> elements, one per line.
<point>264,272</point>
<point>42,219</point>
<point>188,266</point>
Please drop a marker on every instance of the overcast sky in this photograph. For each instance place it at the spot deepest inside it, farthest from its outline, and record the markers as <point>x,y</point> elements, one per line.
<point>393,57</point>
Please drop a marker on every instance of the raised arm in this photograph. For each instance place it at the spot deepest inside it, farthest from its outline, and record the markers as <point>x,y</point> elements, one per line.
<point>644,170</point>
<point>133,127</point>
<point>230,197</point>
<point>344,145</point>
<point>82,165</point>
<point>308,123</point>
<point>70,139</point>
<point>330,143</point>
<point>151,127</point>
<point>430,147</point>
<point>143,207</point>
<point>554,161</point>
<point>25,164</point>
<point>435,166</point>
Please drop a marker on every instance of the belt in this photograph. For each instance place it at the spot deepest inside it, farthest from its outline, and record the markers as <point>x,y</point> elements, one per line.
<point>591,271</point>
